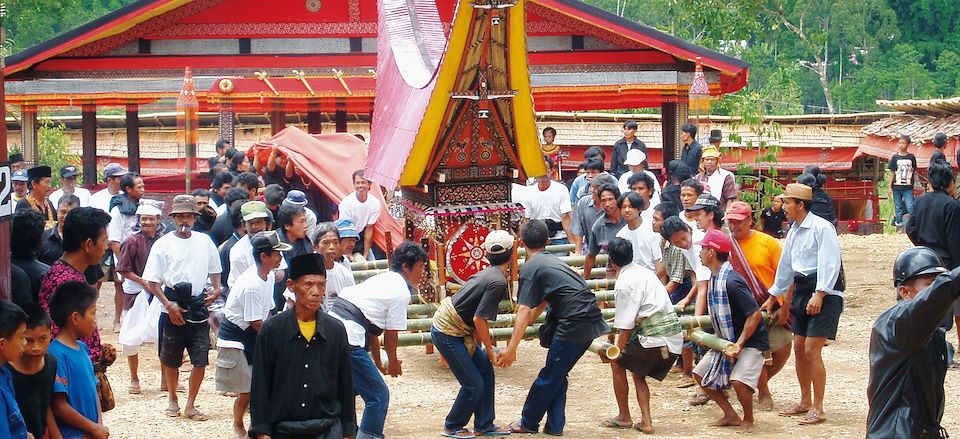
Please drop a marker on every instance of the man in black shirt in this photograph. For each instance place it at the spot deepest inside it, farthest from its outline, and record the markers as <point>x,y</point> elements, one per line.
<point>462,335</point>
<point>692,152</point>
<point>939,142</point>
<point>222,146</point>
<point>317,400</point>
<point>25,244</point>
<point>628,142</point>
<point>35,370</point>
<point>573,321</point>
<point>773,218</point>
<point>736,318</point>
<point>908,350</point>
<point>903,167</point>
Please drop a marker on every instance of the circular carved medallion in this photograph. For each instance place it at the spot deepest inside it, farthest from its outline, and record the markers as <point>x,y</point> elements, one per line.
<point>465,254</point>
<point>313,5</point>
<point>225,86</point>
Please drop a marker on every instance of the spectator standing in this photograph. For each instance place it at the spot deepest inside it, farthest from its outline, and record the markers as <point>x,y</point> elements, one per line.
<point>549,201</point>
<point>636,161</point>
<point>18,181</point>
<point>26,239</point>
<point>364,210</point>
<point>123,219</point>
<point>691,153</point>
<point>68,182</point>
<point>221,146</point>
<point>587,211</point>
<point>37,198</point>
<point>621,147</point>
<point>903,167</point>
<point>112,175</point>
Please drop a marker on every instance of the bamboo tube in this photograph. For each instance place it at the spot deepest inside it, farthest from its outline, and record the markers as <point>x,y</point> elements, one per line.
<point>559,248</point>
<point>602,347</point>
<point>711,341</point>
<point>423,338</point>
<point>598,271</point>
<point>502,321</point>
<point>593,284</point>
<point>704,321</point>
<point>379,264</point>
<point>690,309</point>
<point>382,264</point>
<point>427,309</point>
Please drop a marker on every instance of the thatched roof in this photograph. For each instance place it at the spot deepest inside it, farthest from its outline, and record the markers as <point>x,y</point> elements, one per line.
<point>920,128</point>
<point>924,106</point>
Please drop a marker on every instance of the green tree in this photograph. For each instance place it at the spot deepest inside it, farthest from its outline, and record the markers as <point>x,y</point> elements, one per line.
<point>30,22</point>
<point>54,146</point>
<point>947,73</point>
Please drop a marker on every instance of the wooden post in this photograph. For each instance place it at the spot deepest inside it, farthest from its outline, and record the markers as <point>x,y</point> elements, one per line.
<point>5,292</point>
<point>29,132</point>
<point>314,118</point>
<point>340,117</point>
<point>227,123</point>
<point>133,138</point>
<point>88,126</point>
<point>669,128</point>
<point>278,119</point>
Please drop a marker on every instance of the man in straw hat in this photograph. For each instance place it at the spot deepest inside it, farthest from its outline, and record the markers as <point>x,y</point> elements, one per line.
<point>810,262</point>
<point>302,384</point>
<point>177,271</point>
<point>248,305</point>
<point>907,346</point>
<point>461,333</point>
<point>718,181</point>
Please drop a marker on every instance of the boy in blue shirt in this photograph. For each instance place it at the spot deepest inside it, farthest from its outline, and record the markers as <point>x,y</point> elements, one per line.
<point>13,324</point>
<point>76,406</point>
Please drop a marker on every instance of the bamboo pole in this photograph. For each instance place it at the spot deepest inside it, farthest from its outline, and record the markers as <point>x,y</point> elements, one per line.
<point>427,309</point>
<point>423,338</point>
<point>593,284</point>
<point>559,248</point>
<point>383,264</point>
<point>602,347</point>
<point>502,321</point>
<point>690,309</point>
<point>704,321</point>
<point>711,341</point>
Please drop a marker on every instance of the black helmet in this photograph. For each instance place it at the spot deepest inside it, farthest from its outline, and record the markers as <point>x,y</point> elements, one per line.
<point>913,262</point>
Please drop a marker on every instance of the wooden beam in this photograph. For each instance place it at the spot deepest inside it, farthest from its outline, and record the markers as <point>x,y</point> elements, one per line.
<point>669,128</point>
<point>340,117</point>
<point>314,118</point>
<point>227,123</point>
<point>88,126</point>
<point>278,119</point>
<point>28,134</point>
<point>133,138</point>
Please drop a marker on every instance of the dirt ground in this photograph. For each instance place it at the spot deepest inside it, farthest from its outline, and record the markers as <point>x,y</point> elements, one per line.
<point>421,397</point>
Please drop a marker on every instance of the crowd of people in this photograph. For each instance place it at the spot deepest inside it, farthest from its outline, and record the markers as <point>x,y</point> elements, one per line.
<point>297,339</point>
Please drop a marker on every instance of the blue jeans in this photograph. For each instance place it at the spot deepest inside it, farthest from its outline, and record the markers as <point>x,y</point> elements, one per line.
<point>903,203</point>
<point>548,394</point>
<point>368,382</point>
<point>476,378</point>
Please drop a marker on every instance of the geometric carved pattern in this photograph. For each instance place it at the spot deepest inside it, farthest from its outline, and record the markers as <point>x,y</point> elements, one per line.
<point>557,22</point>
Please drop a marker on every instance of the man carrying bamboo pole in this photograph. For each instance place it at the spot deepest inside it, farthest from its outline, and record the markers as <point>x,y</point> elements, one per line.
<point>378,306</point>
<point>649,348</point>
<point>736,318</point>
<point>462,335</point>
<point>572,323</point>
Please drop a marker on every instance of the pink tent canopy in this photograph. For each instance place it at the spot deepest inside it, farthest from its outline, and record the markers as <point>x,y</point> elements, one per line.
<point>328,162</point>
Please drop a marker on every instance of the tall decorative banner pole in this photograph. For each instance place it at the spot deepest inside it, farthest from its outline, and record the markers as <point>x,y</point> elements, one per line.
<point>699,93</point>
<point>188,121</point>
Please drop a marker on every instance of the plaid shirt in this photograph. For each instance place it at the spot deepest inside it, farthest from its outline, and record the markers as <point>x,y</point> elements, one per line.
<point>676,264</point>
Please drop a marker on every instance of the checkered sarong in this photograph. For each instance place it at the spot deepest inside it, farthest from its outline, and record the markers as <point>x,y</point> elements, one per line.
<point>717,376</point>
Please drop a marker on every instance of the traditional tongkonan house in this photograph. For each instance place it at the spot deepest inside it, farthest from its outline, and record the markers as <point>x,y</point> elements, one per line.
<point>921,120</point>
<point>314,62</point>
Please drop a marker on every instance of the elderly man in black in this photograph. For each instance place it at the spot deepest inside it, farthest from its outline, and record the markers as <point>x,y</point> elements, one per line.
<point>907,350</point>
<point>317,400</point>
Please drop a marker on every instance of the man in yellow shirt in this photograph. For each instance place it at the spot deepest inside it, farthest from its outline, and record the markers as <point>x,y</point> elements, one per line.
<point>762,254</point>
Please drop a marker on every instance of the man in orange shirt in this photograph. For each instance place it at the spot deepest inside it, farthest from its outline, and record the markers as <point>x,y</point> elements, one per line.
<point>762,255</point>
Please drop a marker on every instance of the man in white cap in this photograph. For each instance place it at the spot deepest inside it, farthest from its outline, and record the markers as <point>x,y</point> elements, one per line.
<point>256,219</point>
<point>19,182</point>
<point>111,175</point>
<point>636,162</point>
<point>177,271</point>
<point>130,265</point>
<point>461,333</point>
<point>68,181</point>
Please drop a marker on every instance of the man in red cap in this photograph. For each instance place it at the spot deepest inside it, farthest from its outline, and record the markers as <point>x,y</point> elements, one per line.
<point>736,318</point>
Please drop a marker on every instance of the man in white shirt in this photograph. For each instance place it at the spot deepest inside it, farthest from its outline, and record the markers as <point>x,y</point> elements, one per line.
<point>256,219</point>
<point>657,341</point>
<point>378,305</point>
<point>123,219</point>
<point>810,262</point>
<point>298,198</point>
<point>177,261</point>
<point>363,210</point>
<point>721,182</point>
<point>637,164</point>
<point>645,243</point>
<point>327,243</point>
<point>111,175</point>
<point>248,305</point>
<point>549,201</point>
<point>68,181</point>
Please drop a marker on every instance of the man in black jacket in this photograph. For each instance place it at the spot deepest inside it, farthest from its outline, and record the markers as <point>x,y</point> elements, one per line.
<point>908,350</point>
<point>628,142</point>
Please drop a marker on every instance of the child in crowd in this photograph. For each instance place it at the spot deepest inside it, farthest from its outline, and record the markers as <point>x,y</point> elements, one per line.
<point>76,406</point>
<point>13,324</point>
<point>772,219</point>
<point>34,373</point>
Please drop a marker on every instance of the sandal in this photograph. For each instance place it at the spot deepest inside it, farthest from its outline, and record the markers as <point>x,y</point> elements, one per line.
<point>496,431</point>
<point>515,427</point>
<point>642,429</point>
<point>172,413</point>
<point>612,423</point>
<point>795,410</point>
<point>812,417</point>
<point>954,365</point>
<point>196,416</point>
<point>698,399</point>
<point>462,433</point>
<point>686,382</point>
<point>134,389</point>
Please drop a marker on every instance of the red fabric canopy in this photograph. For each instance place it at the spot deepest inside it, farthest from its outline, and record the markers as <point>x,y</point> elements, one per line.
<point>328,161</point>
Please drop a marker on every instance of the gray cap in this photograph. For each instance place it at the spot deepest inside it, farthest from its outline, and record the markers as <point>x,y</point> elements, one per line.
<point>602,179</point>
<point>113,170</point>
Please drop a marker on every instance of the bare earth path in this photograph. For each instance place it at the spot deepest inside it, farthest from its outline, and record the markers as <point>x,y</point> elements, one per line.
<point>421,397</point>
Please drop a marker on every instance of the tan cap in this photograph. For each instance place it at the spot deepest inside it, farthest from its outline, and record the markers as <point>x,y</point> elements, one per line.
<point>184,204</point>
<point>798,191</point>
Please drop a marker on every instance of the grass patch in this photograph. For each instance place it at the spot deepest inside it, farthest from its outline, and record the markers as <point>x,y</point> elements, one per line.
<point>886,206</point>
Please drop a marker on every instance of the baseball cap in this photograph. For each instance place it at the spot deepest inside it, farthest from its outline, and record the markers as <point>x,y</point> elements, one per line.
<point>253,209</point>
<point>346,228</point>
<point>113,170</point>
<point>716,240</point>
<point>705,200</point>
<point>20,175</point>
<point>738,211</point>
<point>68,171</point>
<point>602,179</point>
<point>498,242</point>
<point>634,157</point>
<point>269,240</point>
<point>296,197</point>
